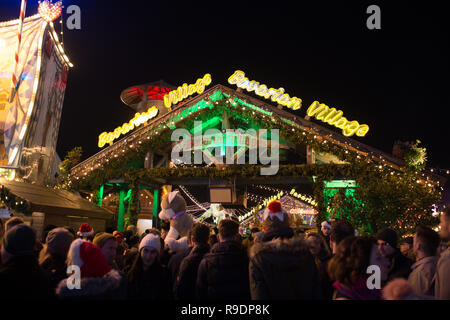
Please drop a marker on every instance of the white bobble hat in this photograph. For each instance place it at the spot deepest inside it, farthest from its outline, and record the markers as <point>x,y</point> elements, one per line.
<point>151,240</point>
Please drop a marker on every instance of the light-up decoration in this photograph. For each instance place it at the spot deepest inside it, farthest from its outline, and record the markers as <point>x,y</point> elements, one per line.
<point>182,92</point>
<point>259,207</point>
<point>138,119</point>
<point>276,95</point>
<point>50,11</point>
<point>334,117</point>
<point>303,197</point>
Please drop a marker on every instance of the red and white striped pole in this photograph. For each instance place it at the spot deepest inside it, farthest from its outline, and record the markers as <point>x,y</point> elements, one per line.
<point>16,56</point>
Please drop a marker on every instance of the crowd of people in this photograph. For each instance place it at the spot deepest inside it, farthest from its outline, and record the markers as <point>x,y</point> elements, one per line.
<point>275,263</point>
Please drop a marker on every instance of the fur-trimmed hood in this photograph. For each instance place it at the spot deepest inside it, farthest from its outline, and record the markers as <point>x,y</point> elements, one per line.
<point>92,287</point>
<point>294,246</point>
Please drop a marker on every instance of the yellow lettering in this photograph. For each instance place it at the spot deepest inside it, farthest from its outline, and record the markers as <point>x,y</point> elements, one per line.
<point>351,128</point>
<point>333,116</point>
<point>363,129</point>
<point>236,77</point>
<point>341,123</point>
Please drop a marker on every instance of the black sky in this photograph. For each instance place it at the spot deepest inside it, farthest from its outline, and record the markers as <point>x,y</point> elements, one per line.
<point>394,79</point>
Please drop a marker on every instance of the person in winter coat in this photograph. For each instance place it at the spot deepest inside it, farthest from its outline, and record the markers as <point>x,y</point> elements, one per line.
<point>322,255</point>
<point>442,280</point>
<point>340,229</point>
<point>281,266</point>
<point>187,275</point>
<point>400,266</point>
<point>348,269</point>
<point>147,278</point>
<point>96,280</point>
<point>108,244</point>
<point>52,258</point>
<point>425,244</point>
<point>223,272</point>
<point>20,275</point>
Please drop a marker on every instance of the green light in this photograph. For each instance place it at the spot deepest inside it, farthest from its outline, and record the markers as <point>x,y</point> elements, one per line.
<point>340,184</point>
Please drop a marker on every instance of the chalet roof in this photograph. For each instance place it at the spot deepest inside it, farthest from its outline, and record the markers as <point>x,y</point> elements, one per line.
<point>54,201</point>
<point>142,132</point>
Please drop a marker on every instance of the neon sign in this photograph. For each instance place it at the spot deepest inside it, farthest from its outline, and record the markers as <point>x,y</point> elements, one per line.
<point>334,117</point>
<point>276,95</point>
<point>138,119</point>
<point>185,90</point>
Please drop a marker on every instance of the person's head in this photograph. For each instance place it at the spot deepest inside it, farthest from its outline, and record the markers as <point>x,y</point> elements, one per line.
<point>444,233</point>
<point>149,249</point>
<point>108,244</point>
<point>325,228</point>
<point>132,229</point>
<point>406,244</point>
<point>85,231</point>
<point>119,237</point>
<point>318,245</point>
<point>353,256</point>
<point>11,222</point>
<point>340,229</point>
<point>57,244</point>
<point>212,240</point>
<point>387,242</point>
<point>275,217</point>
<point>228,230</point>
<point>199,234</point>
<point>19,240</point>
<point>89,258</point>
<point>426,242</point>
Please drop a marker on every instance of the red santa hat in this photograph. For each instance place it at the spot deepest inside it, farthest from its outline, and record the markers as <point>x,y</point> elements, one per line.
<point>89,258</point>
<point>85,230</point>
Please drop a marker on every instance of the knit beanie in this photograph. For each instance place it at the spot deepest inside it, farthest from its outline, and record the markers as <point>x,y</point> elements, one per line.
<point>58,241</point>
<point>85,230</point>
<point>325,224</point>
<point>151,240</point>
<point>20,240</point>
<point>388,235</point>
<point>89,258</point>
<point>274,216</point>
<point>101,238</point>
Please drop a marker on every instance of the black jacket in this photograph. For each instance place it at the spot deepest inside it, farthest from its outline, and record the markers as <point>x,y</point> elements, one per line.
<point>400,266</point>
<point>22,278</point>
<point>223,273</point>
<point>174,265</point>
<point>283,269</point>
<point>187,275</point>
<point>153,284</point>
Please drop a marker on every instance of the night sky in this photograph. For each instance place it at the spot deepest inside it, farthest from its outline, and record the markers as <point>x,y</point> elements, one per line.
<point>394,79</point>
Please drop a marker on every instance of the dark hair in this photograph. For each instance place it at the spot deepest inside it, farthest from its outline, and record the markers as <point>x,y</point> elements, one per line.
<point>341,229</point>
<point>200,233</point>
<point>228,228</point>
<point>351,259</point>
<point>137,267</point>
<point>212,240</point>
<point>429,239</point>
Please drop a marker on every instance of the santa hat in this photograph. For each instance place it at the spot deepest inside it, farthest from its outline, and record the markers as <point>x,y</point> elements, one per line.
<point>85,230</point>
<point>151,240</point>
<point>89,258</point>
<point>274,216</point>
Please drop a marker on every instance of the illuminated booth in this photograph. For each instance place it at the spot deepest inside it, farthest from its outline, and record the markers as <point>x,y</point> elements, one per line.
<point>136,167</point>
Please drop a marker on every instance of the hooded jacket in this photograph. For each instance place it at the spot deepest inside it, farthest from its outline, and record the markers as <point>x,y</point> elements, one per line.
<point>94,288</point>
<point>223,273</point>
<point>283,269</point>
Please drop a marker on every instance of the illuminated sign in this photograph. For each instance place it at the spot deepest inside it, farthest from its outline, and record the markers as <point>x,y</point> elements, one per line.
<point>185,90</point>
<point>334,117</point>
<point>276,95</point>
<point>139,118</point>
